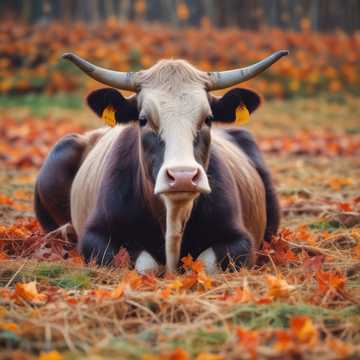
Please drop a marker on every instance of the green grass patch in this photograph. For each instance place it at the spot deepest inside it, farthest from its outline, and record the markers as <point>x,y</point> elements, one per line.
<point>277,315</point>
<point>47,270</point>
<point>331,225</point>
<point>124,348</point>
<point>40,105</point>
<point>73,281</point>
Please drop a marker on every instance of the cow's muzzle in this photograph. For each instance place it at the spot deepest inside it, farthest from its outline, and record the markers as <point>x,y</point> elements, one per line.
<point>182,180</point>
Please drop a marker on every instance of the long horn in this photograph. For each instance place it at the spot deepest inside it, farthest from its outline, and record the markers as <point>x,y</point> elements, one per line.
<point>224,79</point>
<point>117,79</point>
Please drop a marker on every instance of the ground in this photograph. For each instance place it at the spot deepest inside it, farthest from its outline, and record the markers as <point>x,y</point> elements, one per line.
<point>300,301</point>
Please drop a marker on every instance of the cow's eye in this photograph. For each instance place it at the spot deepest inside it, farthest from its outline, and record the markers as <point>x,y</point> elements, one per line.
<point>209,120</point>
<point>142,121</point>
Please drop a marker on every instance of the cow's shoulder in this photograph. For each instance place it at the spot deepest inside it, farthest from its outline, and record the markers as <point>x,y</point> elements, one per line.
<point>126,211</point>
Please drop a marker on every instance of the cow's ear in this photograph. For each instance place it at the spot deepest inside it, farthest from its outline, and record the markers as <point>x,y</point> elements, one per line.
<point>224,108</point>
<point>110,105</point>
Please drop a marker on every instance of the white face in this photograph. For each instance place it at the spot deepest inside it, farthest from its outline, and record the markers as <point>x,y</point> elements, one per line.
<point>177,118</point>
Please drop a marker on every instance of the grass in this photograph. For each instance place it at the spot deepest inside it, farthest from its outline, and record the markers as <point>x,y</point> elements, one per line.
<point>41,105</point>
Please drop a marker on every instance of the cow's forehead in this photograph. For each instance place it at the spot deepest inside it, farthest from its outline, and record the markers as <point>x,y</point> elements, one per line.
<point>187,103</point>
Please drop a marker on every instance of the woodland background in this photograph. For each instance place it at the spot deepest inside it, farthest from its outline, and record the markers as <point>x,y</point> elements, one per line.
<point>302,298</point>
<point>324,15</point>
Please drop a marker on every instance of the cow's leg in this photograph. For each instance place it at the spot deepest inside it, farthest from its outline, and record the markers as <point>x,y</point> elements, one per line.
<point>45,219</point>
<point>247,143</point>
<point>97,245</point>
<point>52,189</point>
<point>230,254</point>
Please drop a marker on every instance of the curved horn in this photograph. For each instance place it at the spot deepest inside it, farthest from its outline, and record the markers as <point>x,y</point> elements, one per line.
<point>120,80</point>
<point>224,79</point>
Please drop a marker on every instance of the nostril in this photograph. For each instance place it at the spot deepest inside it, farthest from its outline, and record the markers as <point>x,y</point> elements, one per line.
<point>196,177</point>
<point>171,176</point>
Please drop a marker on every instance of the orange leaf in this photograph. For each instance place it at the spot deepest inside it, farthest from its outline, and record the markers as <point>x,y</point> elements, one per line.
<point>52,355</point>
<point>344,207</point>
<point>110,294</point>
<point>249,339</point>
<point>284,341</point>
<point>303,329</point>
<point>176,285</point>
<point>278,287</point>
<point>8,326</point>
<point>133,279</point>
<point>329,281</point>
<point>5,200</point>
<point>165,293</point>
<point>339,347</point>
<point>3,256</point>
<point>29,293</point>
<point>189,281</point>
<point>209,356</point>
<point>187,262</point>
<point>197,266</point>
<point>204,280</point>
<point>337,183</point>
<point>152,357</point>
<point>179,354</point>
<point>357,250</point>
<point>242,295</point>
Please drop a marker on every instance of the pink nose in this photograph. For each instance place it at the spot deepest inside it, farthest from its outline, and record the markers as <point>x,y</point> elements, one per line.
<point>183,179</point>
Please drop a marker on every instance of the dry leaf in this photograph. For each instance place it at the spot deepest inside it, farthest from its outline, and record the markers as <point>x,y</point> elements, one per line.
<point>278,287</point>
<point>52,355</point>
<point>209,356</point>
<point>303,329</point>
<point>28,292</point>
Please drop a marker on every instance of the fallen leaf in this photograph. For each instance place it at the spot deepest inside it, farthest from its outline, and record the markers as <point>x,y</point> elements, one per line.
<point>209,356</point>
<point>284,341</point>
<point>28,292</point>
<point>197,266</point>
<point>278,287</point>
<point>187,262</point>
<point>337,183</point>
<point>249,339</point>
<point>303,329</point>
<point>342,349</point>
<point>345,207</point>
<point>116,293</point>
<point>179,354</point>
<point>52,355</point>
<point>9,326</point>
<point>328,280</point>
<point>205,280</point>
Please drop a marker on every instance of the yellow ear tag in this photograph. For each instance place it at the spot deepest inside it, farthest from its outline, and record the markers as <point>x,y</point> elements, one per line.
<point>108,116</point>
<point>242,115</point>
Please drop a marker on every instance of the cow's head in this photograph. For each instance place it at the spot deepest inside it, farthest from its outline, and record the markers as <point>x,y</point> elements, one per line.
<point>174,111</point>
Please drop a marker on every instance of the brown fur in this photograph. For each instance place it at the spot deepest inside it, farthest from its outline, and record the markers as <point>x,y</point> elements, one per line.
<point>251,192</point>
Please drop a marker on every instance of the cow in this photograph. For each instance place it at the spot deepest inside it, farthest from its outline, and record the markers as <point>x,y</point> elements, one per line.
<point>163,182</point>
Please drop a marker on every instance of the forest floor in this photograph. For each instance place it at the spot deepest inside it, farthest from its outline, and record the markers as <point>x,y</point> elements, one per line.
<point>301,301</point>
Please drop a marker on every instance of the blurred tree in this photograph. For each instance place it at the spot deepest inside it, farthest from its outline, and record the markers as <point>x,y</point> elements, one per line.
<point>323,15</point>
